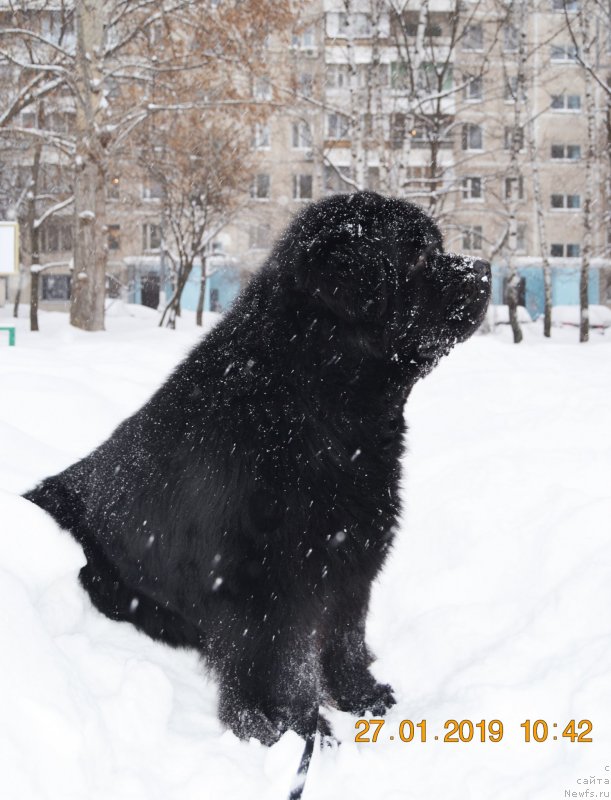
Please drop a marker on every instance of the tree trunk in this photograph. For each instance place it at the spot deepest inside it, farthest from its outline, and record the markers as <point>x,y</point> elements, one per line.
<point>586,250</point>
<point>18,295</point>
<point>540,213</point>
<point>34,244</point>
<point>172,310</point>
<point>547,299</point>
<point>32,230</point>
<point>90,254</point>
<point>199,314</point>
<point>513,279</point>
<point>515,174</point>
<point>34,293</point>
<point>90,246</point>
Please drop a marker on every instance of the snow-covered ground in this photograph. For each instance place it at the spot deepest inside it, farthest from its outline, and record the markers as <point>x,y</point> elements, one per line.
<point>496,603</point>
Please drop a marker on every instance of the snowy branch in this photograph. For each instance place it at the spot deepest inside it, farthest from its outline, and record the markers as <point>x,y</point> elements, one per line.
<point>53,210</point>
<point>10,32</point>
<point>48,137</point>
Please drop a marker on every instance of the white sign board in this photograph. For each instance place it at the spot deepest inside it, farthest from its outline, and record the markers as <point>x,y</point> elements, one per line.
<point>9,248</point>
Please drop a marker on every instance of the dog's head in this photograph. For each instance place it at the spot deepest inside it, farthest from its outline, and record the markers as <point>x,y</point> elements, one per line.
<point>377,266</point>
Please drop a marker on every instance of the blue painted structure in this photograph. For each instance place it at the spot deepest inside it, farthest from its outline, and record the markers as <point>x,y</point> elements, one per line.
<point>222,287</point>
<point>565,286</point>
<point>223,282</point>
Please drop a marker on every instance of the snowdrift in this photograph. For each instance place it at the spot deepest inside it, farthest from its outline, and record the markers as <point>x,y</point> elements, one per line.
<point>495,603</point>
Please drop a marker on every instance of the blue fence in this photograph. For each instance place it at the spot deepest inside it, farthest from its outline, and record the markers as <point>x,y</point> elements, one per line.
<point>565,286</point>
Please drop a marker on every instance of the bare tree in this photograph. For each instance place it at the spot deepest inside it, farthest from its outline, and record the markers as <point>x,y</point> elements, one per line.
<point>591,20</point>
<point>35,191</point>
<point>107,57</point>
<point>585,28</point>
<point>203,167</point>
<point>515,177</point>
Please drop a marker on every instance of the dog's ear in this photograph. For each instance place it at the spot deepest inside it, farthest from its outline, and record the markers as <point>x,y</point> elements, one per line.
<point>345,269</point>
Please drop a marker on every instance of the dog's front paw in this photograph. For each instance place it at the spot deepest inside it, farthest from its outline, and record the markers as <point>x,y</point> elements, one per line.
<point>249,723</point>
<point>375,698</point>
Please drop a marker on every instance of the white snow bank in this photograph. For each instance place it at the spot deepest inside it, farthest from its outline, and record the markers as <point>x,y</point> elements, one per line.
<point>92,709</point>
<point>600,316</point>
<point>495,603</point>
<point>499,315</point>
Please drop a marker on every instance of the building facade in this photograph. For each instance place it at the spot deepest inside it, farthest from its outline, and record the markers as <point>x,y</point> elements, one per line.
<point>480,116</point>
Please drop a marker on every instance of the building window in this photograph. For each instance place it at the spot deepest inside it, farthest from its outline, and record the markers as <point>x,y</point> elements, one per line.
<point>511,89</point>
<point>420,134</point>
<point>113,188</point>
<point>263,89</point>
<point>152,190</point>
<point>261,139</point>
<point>561,5</point>
<point>512,135</point>
<point>397,130</point>
<point>259,237</point>
<point>261,187</point>
<point>367,125</point>
<point>514,188</point>
<point>568,152</point>
<point>418,178</point>
<point>472,137</point>
<point>55,287</point>
<point>305,84</point>
<point>155,32</point>
<point>337,76</point>
<point>305,39</point>
<point>334,183</point>
<point>521,237</point>
<point>301,136</point>
<point>373,179</point>
<point>302,187</point>
<point>570,250</point>
<point>473,37</point>
<point>473,91</point>
<point>429,76</point>
<point>151,237</point>
<point>566,102</point>
<point>338,126</point>
<point>472,188</point>
<point>381,74</point>
<point>399,76</point>
<point>346,25</point>
<point>432,30</point>
<point>564,52</point>
<point>55,236</point>
<point>472,238</point>
<point>61,121</point>
<point>511,37</point>
<point>567,201</point>
<point>114,237</point>
<point>27,119</point>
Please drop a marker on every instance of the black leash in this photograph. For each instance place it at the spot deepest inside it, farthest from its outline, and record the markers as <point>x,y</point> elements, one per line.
<point>304,765</point>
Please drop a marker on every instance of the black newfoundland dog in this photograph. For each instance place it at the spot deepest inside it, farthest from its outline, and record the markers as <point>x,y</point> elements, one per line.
<point>245,510</point>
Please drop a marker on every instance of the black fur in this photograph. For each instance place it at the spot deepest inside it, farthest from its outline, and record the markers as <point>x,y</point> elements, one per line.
<point>247,507</point>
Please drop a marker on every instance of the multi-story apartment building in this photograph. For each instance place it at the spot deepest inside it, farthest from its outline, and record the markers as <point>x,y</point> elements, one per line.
<point>452,109</point>
<point>424,106</point>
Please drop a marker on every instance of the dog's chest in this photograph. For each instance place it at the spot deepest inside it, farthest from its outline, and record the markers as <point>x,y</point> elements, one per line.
<point>346,490</point>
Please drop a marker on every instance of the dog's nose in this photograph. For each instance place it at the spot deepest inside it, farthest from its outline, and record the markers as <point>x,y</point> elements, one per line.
<point>481,267</point>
